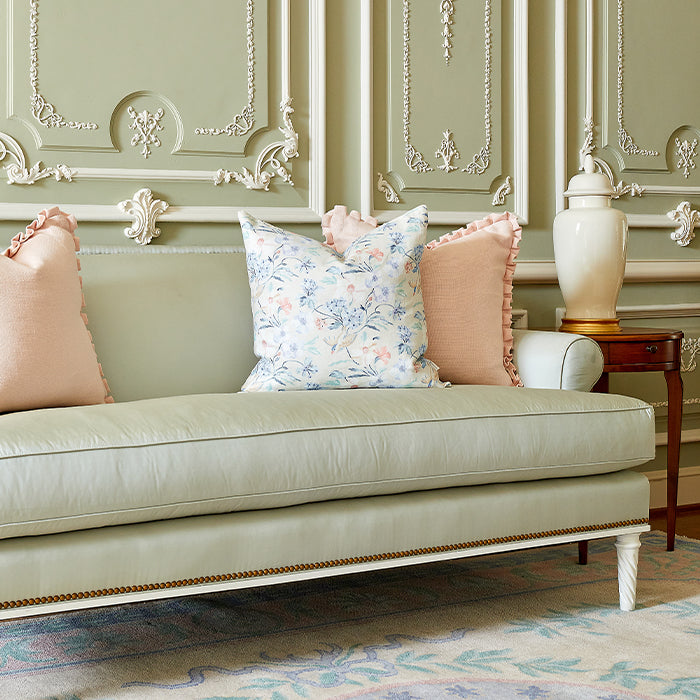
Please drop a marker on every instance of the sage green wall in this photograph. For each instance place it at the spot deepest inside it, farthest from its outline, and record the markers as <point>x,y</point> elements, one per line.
<point>521,79</point>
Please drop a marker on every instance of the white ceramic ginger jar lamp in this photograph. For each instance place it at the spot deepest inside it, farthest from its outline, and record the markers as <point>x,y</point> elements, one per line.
<point>590,251</point>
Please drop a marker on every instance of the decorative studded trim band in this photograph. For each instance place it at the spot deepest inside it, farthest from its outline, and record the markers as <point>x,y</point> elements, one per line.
<point>259,573</point>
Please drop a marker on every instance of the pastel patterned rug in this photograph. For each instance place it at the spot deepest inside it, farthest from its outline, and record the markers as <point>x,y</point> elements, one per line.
<point>528,625</point>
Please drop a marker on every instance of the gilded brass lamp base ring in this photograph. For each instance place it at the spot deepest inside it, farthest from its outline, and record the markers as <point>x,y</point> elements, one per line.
<point>590,326</point>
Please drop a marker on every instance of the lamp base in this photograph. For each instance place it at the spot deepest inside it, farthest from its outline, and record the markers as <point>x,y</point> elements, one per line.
<point>590,326</point>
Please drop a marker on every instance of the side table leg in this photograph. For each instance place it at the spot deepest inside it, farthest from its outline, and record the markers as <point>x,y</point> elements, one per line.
<point>583,552</point>
<point>674,384</point>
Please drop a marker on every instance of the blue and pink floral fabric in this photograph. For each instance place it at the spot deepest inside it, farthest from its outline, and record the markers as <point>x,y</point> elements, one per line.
<point>323,320</point>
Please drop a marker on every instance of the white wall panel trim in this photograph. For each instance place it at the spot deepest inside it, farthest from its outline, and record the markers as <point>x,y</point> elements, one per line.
<point>191,214</point>
<point>520,127</point>
<point>636,271</point>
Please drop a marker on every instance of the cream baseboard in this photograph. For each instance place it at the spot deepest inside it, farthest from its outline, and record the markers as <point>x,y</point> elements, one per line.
<point>688,487</point>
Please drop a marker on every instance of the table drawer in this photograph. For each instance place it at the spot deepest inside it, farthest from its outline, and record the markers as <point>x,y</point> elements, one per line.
<point>642,353</point>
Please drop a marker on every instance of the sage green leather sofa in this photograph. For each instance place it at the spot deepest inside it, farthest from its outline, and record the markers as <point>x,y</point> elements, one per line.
<point>185,485</point>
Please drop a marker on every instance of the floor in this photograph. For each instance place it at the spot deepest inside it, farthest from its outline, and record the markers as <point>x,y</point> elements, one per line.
<point>687,521</point>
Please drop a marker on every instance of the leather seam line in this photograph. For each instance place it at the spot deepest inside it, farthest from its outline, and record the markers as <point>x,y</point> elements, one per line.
<point>308,429</point>
<point>291,568</point>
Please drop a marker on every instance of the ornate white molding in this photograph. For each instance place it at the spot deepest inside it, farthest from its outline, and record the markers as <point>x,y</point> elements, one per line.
<point>447,9</point>
<point>687,153</point>
<point>687,218</point>
<point>481,160</point>
<point>145,212</point>
<point>385,187</point>
<point>17,171</point>
<point>448,151</point>
<point>626,141</point>
<point>145,124</point>
<point>243,122</point>
<point>518,136</point>
<point>690,347</point>
<point>44,112</point>
<point>620,188</point>
<point>588,145</point>
<point>499,197</point>
<point>414,159</point>
<point>270,161</point>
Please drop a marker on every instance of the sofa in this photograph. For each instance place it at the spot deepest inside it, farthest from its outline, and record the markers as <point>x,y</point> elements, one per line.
<point>186,485</point>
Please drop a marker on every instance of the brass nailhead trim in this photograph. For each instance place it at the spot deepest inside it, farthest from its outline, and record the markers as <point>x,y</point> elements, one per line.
<point>316,565</point>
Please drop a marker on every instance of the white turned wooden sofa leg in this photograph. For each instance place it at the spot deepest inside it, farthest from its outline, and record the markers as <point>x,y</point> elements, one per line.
<point>627,557</point>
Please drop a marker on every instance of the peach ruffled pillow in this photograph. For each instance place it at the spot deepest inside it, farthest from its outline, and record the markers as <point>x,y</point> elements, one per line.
<point>467,281</point>
<point>46,353</point>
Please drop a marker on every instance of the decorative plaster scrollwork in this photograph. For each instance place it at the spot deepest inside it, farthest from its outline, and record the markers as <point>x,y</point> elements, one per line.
<point>691,348</point>
<point>17,171</point>
<point>687,218</point>
<point>145,211</point>
<point>626,141</point>
<point>620,188</point>
<point>44,112</point>
<point>447,9</point>
<point>588,142</point>
<point>272,157</point>
<point>145,124</point>
<point>448,151</point>
<point>241,123</point>
<point>481,160</point>
<point>499,198</point>
<point>414,159</point>
<point>687,153</point>
<point>385,187</point>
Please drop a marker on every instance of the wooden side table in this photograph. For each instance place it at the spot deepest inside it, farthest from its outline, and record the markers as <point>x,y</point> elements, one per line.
<point>649,350</point>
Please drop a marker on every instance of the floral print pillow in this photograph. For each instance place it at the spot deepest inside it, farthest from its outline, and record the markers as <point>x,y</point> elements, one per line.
<point>323,320</point>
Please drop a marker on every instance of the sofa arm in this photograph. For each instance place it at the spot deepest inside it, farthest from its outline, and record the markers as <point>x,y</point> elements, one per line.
<point>554,360</point>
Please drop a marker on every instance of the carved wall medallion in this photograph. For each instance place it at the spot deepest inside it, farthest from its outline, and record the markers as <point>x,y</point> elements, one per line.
<point>448,151</point>
<point>271,159</point>
<point>687,218</point>
<point>17,171</point>
<point>243,122</point>
<point>686,152</point>
<point>145,212</point>
<point>42,110</point>
<point>385,187</point>
<point>447,9</point>
<point>145,124</point>
<point>499,197</point>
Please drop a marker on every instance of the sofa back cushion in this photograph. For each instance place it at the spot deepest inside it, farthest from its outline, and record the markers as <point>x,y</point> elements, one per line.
<point>167,323</point>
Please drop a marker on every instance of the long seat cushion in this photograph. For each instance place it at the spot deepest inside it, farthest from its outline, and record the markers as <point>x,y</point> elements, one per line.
<point>82,467</point>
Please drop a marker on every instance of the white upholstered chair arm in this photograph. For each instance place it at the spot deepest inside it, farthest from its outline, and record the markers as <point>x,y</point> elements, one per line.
<point>553,360</point>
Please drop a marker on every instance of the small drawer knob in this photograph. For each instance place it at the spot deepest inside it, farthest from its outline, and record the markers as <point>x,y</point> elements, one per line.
<point>652,348</point>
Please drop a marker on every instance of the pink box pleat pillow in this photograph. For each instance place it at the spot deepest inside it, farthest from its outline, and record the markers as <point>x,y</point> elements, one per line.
<point>47,357</point>
<point>467,283</point>
<point>467,280</point>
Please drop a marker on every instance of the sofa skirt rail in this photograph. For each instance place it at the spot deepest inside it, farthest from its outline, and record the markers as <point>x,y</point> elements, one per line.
<point>129,563</point>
